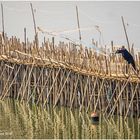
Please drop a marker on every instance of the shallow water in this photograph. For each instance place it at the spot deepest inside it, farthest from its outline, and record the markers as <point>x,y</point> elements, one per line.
<point>25,121</point>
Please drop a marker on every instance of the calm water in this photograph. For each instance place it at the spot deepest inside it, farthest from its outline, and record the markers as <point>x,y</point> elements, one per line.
<point>23,121</point>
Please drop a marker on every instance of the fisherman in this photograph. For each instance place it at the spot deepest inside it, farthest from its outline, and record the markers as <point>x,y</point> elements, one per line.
<point>127,56</point>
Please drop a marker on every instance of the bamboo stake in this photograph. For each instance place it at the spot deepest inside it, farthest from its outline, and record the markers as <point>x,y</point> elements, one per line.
<point>41,73</point>
<point>51,87</point>
<point>25,39</point>
<point>62,89</point>
<point>118,97</point>
<point>11,83</point>
<point>131,100</point>
<point>22,83</point>
<point>6,84</point>
<point>109,103</point>
<point>99,95</point>
<point>3,70</point>
<point>36,35</point>
<point>74,94</point>
<point>28,80</point>
<point>78,23</point>
<point>125,33</point>
<point>93,93</point>
<point>33,18</point>
<point>2,15</point>
<point>84,94</point>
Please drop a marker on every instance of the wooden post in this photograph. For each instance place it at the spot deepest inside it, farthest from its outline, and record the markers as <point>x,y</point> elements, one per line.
<point>122,89</point>
<point>2,15</point>
<point>126,34</point>
<point>25,39</point>
<point>36,35</point>
<point>78,23</point>
<point>53,42</point>
<point>135,91</point>
<point>33,18</point>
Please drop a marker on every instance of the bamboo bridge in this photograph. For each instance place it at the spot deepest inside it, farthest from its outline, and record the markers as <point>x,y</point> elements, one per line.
<point>68,75</point>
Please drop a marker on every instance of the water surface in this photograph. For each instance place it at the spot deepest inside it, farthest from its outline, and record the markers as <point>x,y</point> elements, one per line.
<point>18,120</point>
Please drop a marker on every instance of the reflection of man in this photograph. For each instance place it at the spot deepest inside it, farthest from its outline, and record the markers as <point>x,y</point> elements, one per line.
<point>127,56</point>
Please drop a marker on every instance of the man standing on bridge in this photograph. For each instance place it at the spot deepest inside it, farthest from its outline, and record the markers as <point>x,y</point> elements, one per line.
<point>127,56</point>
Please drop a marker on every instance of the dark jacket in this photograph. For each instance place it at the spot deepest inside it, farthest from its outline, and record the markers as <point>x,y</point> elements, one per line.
<point>127,56</point>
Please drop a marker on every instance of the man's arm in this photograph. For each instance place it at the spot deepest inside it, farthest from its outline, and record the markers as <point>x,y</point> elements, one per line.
<point>119,51</point>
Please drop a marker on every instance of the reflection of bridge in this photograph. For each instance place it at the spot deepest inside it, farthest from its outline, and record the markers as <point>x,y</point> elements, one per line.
<point>68,75</point>
<point>60,123</point>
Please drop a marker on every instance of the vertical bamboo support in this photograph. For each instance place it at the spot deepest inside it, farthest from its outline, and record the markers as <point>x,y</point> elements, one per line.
<point>51,87</point>
<point>2,15</point>
<point>106,65</point>
<point>11,83</point>
<point>78,23</point>
<point>25,39</point>
<point>126,33</point>
<point>113,108</point>
<point>131,102</point>
<point>24,73</point>
<point>100,90</point>
<point>28,81</point>
<point>74,92</point>
<point>62,89</point>
<point>92,94</point>
<point>6,82</point>
<point>84,94</point>
<point>137,96</point>
<point>33,19</point>
<point>34,91</point>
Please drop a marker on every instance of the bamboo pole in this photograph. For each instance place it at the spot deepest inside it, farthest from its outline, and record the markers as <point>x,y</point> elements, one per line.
<point>131,101</point>
<point>22,83</point>
<point>33,19</point>
<point>74,94</point>
<point>28,80</point>
<point>36,35</point>
<point>51,86</point>
<point>118,97</point>
<point>78,23</point>
<point>84,93</point>
<point>11,83</point>
<point>37,83</point>
<point>93,93</point>
<point>99,95</point>
<point>2,15</point>
<point>7,82</point>
<point>126,34</point>
<point>25,39</point>
<point>62,88</point>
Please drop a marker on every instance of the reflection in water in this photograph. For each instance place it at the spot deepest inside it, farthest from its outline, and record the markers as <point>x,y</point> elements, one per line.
<point>30,121</point>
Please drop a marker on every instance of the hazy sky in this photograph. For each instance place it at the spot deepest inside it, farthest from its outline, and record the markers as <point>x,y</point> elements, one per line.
<point>61,15</point>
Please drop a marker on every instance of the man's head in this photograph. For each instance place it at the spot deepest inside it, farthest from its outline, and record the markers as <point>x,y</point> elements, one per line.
<point>123,47</point>
<point>120,50</point>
